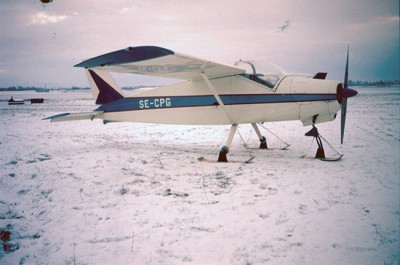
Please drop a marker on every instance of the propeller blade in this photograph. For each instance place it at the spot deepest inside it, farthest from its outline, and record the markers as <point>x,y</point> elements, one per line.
<point>344,103</point>
<point>343,119</point>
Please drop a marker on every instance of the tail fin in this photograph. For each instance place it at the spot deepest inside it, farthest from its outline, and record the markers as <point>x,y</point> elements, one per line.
<point>104,87</point>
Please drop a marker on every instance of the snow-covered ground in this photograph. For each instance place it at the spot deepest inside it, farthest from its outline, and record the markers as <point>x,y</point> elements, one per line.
<point>125,193</point>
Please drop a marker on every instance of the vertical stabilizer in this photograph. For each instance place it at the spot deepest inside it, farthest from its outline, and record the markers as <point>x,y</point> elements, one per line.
<point>104,87</point>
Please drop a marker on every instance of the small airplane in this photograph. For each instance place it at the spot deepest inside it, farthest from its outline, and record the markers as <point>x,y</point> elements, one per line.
<point>284,26</point>
<point>211,94</point>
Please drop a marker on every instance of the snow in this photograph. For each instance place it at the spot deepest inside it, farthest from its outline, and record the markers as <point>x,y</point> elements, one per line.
<point>124,193</point>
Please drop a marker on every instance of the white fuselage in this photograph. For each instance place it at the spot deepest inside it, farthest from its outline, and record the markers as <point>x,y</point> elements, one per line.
<point>245,101</point>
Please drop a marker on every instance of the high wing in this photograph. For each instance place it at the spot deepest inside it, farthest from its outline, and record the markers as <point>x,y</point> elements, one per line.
<point>157,61</point>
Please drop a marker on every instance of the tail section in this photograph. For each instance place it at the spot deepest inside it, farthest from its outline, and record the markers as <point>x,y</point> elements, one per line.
<point>104,87</point>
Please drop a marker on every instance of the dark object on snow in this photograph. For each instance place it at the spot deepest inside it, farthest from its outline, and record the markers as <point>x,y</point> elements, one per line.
<point>5,235</point>
<point>5,238</point>
<point>13,101</point>
<point>37,100</point>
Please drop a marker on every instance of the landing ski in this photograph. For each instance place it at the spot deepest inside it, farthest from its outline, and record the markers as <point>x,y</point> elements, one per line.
<point>331,159</point>
<point>257,148</point>
<point>327,159</point>
<point>203,159</point>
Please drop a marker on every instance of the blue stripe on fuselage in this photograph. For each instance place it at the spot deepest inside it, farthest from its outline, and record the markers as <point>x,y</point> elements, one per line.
<point>146,103</point>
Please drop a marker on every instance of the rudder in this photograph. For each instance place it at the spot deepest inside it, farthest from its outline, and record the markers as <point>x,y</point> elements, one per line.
<point>104,87</point>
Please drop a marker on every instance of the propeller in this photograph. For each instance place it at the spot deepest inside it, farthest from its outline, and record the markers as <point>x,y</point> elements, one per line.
<point>344,94</point>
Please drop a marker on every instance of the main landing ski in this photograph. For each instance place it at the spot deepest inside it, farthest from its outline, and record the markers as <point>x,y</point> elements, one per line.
<point>203,159</point>
<point>257,148</point>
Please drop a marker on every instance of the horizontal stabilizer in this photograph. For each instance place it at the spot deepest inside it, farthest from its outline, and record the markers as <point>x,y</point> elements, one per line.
<point>75,116</point>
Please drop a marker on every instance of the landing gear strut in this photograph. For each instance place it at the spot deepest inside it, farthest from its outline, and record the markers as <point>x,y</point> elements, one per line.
<point>263,140</point>
<point>320,151</point>
<point>225,149</point>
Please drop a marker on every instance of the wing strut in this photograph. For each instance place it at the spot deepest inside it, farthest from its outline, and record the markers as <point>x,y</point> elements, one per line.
<point>225,149</point>
<point>217,97</point>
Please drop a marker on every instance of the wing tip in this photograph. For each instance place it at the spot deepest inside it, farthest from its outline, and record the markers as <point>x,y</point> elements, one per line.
<point>127,55</point>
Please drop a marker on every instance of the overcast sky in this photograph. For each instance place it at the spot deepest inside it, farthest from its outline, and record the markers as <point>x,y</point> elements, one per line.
<point>39,44</point>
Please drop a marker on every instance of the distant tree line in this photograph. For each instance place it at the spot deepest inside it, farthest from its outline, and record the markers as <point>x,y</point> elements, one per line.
<point>374,83</point>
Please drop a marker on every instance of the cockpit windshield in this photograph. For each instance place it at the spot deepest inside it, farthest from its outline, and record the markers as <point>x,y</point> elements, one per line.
<point>266,74</point>
<point>268,80</point>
